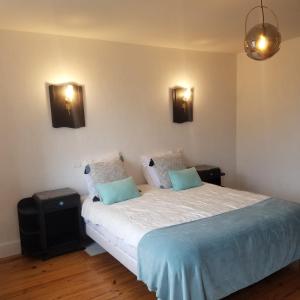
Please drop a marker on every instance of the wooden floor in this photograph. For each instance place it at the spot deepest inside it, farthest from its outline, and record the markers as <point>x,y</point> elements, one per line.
<point>79,276</point>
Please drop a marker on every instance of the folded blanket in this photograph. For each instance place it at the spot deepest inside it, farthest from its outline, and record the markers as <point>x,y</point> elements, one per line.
<point>214,257</point>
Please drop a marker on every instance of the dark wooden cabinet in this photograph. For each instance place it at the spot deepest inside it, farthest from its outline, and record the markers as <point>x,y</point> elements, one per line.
<point>50,223</point>
<point>210,174</point>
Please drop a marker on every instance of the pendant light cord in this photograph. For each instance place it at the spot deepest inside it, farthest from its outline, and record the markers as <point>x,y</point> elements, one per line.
<point>263,12</point>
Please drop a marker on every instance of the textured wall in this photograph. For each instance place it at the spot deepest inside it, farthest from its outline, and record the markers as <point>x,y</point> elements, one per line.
<point>127,108</point>
<point>268,118</point>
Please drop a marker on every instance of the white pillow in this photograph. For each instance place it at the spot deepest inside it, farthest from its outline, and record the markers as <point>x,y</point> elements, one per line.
<point>90,186</point>
<point>109,168</point>
<point>150,173</point>
<point>157,175</point>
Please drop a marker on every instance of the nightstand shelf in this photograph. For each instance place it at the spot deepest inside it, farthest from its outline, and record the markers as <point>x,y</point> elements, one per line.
<point>210,174</point>
<point>50,223</point>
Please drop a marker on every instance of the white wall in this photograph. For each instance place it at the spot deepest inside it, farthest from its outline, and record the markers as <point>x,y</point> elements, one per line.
<point>268,122</point>
<point>127,108</point>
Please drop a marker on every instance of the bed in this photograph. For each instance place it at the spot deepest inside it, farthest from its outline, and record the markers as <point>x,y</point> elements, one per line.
<point>213,229</point>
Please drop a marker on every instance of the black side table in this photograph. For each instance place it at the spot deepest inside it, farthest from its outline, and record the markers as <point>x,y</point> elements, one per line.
<point>50,223</point>
<point>210,174</point>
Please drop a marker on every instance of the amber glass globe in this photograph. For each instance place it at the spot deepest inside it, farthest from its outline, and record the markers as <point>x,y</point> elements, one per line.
<point>262,41</point>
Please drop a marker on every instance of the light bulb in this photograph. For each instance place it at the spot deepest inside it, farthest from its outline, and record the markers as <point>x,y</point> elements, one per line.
<point>69,93</point>
<point>262,43</point>
<point>187,94</point>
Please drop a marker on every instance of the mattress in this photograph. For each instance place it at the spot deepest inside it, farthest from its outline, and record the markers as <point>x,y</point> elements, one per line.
<point>125,223</point>
<point>113,240</point>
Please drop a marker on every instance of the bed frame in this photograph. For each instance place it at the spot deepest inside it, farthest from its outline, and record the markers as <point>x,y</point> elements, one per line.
<point>116,252</point>
<point>126,260</point>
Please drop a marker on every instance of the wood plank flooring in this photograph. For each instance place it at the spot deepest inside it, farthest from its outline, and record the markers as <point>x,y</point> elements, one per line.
<point>79,276</point>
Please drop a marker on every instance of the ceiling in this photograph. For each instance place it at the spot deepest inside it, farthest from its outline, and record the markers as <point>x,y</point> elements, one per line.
<point>211,25</point>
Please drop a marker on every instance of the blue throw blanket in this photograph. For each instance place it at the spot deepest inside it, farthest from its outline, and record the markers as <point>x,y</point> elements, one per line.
<point>214,257</point>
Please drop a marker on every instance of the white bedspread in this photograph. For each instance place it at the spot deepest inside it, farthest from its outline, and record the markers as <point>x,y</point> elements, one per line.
<point>156,208</point>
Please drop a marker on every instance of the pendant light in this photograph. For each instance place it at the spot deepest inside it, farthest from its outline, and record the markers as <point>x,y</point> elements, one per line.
<point>263,40</point>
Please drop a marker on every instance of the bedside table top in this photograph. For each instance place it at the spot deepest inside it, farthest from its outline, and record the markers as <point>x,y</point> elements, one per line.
<point>47,195</point>
<point>205,167</point>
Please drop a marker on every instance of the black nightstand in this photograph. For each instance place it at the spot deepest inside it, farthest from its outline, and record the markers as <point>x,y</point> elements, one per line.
<point>210,174</point>
<point>50,223</point>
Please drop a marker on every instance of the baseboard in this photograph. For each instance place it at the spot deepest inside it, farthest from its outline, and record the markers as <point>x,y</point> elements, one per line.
<point>10,248</point>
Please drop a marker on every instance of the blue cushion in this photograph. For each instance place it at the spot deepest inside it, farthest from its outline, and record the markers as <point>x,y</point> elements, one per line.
<point>184,179</point>
<point>117,191</point>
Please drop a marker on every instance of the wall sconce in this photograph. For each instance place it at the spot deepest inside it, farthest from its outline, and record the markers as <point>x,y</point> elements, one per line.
<point>182,104</point>
<point>66,101</point>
